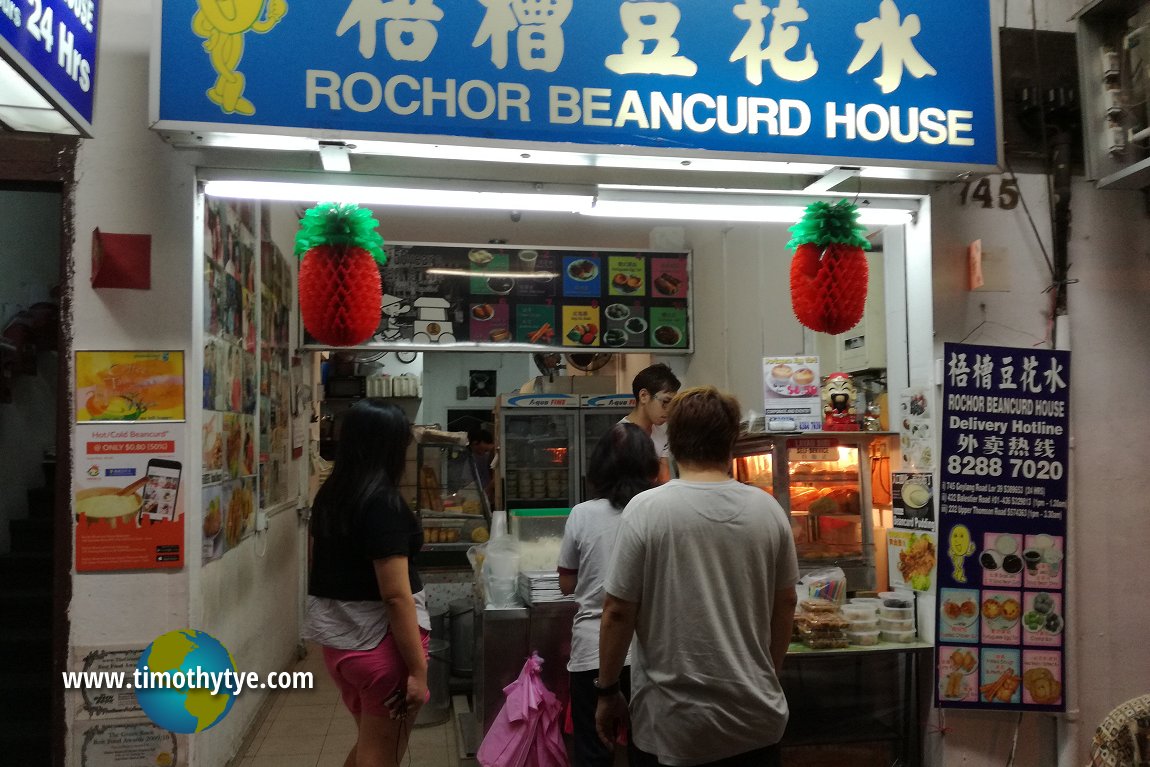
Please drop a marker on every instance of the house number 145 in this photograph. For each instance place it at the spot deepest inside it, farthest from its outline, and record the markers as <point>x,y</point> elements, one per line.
<point>982,192</point>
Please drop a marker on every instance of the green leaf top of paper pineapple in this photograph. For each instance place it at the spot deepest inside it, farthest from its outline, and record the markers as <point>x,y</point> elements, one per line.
<point>826,224</point>
<point>332,224</point>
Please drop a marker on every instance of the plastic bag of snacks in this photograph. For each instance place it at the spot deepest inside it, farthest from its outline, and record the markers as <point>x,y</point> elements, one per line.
<point>821,630</point>
<point>829,584</point>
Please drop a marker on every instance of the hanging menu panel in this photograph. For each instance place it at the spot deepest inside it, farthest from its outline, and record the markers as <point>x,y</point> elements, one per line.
<point>524,298</point>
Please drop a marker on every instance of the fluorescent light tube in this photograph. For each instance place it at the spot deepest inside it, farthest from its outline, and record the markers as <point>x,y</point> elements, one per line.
<point>700,205</point>
<point>400,195</point>
<point>697,211</point>
<point>511,275</point>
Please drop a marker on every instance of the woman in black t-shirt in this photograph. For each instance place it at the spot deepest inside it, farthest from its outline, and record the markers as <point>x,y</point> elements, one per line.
<point>365,599</point>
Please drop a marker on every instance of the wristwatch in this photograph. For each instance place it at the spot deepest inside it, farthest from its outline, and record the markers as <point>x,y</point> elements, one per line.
<point>604,692</point>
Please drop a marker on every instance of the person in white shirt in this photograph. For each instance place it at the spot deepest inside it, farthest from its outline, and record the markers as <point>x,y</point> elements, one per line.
<point>622,465</point>
<point>654,387</point>
<point>703,578</point>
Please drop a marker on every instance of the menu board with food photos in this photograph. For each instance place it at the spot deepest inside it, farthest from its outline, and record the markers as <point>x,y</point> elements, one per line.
<point>493,295</point>
<point>1003,505</point>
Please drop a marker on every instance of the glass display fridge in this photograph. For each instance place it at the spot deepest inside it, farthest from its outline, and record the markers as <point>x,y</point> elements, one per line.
<point>538,446</point>
<point>824,481</point>
<point>597,414</point>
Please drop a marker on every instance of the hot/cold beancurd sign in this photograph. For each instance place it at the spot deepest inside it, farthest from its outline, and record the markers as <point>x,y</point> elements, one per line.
<point>896,82</point>
<point>1002,529</point>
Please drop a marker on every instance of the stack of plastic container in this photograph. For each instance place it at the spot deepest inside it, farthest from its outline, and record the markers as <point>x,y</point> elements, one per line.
<point>863,616</point>
<point>896,616</point>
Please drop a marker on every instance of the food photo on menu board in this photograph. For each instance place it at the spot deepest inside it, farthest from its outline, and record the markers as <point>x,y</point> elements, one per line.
<point>1003,505</point>
<point>912,545</point>
<point>490,294</point>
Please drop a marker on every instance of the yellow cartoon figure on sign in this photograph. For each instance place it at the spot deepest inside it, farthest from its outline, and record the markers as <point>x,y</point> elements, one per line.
<point>961,547</point>
<point>223,23</point>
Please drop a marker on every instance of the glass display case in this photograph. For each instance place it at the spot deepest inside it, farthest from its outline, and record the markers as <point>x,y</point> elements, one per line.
<point>538,446</point>
<point>597,414</point>
<point>545,443</point>
<point>452,505</point>
<point>824,481</point>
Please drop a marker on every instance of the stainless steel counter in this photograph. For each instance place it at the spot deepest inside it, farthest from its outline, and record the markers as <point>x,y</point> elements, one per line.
<point>506,638</point>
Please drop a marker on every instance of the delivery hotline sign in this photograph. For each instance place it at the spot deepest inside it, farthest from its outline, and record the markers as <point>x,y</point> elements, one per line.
<point>1002,528</point>
<point>899,82</point>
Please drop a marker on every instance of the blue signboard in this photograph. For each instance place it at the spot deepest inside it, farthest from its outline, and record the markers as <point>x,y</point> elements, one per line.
<point>1002,529</point>
<point>895,82</point>
<point>53,44</point>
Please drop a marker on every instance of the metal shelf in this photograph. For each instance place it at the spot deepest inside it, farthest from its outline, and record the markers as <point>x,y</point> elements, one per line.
<point>455,546</point>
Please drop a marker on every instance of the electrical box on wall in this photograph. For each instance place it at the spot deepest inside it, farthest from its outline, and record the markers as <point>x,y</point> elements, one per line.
<point>863,347</point>
<point>1040,85</point>
<point>1114,68</point>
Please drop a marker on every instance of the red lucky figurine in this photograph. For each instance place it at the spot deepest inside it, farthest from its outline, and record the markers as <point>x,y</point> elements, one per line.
<point>839,412</point>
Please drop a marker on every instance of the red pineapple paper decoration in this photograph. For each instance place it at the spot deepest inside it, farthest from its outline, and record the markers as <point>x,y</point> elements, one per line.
<point>829,270</point>
<point>340,291</point>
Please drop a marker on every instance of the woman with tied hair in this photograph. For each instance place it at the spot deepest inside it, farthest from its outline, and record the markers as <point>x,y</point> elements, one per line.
<point>365,601</point>
<point>622,465</point>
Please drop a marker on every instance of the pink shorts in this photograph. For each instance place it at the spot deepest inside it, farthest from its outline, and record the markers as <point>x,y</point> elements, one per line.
<point>367,678</point>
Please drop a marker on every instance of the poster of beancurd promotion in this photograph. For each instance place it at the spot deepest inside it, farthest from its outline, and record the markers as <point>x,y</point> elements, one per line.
<point>912,544</point>
<point>1002,622</point>
<point>129,496</point>
<point>791,400</point>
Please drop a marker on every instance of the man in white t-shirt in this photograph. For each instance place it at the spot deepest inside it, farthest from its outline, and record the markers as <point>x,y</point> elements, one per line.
<point>703,577</point>
<point>654,388</point>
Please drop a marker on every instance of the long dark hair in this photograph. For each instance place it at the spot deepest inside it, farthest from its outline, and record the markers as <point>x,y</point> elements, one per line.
<point>622,465</point>
<point>373,440</point>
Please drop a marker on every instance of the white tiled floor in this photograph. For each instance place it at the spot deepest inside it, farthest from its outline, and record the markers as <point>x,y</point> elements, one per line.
<point>311,728</point>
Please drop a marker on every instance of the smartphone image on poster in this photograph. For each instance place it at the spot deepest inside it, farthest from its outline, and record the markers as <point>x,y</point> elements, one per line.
<point>161,489</point>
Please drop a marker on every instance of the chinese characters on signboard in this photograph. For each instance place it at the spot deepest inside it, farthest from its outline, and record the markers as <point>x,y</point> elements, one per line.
<point>1002,528</point>
<point>736,76</point>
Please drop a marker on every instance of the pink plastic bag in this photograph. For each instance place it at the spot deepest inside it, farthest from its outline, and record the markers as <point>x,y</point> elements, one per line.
<point>526,731</point>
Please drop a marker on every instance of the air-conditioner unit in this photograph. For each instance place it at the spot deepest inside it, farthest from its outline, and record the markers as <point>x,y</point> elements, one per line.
<point>863,347</point>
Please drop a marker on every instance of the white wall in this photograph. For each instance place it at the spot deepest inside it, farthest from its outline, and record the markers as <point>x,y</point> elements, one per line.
<point>444,371</point>
<point>129,180</point>
<point>249,598</point>
<point>30,259</point>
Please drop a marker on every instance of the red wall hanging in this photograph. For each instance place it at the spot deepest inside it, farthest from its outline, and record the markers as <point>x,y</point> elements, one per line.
<point>340,292</point>
<point>829,270</point>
